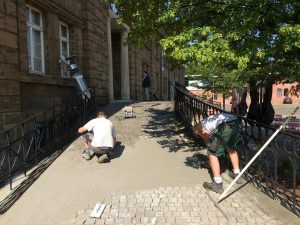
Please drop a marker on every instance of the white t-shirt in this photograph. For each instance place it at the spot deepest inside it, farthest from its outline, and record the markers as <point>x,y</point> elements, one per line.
<point>103,130</point>
<point>211,123</point>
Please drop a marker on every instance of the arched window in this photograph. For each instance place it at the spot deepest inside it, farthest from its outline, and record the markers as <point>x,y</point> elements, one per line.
<point>279,92</point>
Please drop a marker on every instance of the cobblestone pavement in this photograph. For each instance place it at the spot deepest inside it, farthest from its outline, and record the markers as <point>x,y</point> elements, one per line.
<point>176,205</point>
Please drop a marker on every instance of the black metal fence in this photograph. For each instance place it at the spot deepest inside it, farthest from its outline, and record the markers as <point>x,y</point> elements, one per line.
<point>25,144</point>
<point>276,172</point>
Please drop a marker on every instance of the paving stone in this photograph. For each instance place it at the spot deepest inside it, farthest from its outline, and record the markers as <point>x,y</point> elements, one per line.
<point>160,220</point>
<point>100,222</point>
<point>145,220</point>
<point>90,221</point>
<point>170,220</point>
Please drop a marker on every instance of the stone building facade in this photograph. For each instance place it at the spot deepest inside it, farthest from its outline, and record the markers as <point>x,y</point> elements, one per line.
<point>35,33</point>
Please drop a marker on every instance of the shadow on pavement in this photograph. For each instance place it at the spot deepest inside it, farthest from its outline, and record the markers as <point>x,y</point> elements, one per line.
<point>118,151</point>
<point>233,191</point>
<point>200,161</point>
<point>197,161</point>
<point>111,109</point>
<point>171,133</point>
<point>175,137</point>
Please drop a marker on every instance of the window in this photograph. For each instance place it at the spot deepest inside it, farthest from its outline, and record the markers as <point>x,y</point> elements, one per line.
<point>215,97</point>
<point>64,45</point>
<point>35,40</point>
<point>286,92</point>
<point>279,92</point>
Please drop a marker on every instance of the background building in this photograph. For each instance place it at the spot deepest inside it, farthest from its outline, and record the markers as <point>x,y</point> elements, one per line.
<point>280,91</point>
<point>35,33</point>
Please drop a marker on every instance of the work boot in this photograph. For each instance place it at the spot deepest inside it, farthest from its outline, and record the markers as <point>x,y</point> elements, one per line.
<point>86,156</point>
<point>109,154</point>
<point>234,175</point>
<point>103,159</point>
<point>213,186</point>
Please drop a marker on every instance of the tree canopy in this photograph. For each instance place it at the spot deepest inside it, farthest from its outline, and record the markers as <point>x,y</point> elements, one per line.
<point>219,80</point>
<point>239,38</point>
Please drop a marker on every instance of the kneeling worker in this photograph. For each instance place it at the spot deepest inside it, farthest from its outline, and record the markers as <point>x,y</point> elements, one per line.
<point>101,141</point>
<point>220,132</point>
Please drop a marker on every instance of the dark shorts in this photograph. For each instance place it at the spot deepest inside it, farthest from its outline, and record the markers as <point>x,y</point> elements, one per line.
<point>227,134</point>
<point>88,137</point>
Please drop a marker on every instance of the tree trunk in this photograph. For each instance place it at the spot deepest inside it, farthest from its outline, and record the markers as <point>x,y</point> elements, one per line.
<point>253,113</point>
<point>223,101</point>
<point>261,109</point>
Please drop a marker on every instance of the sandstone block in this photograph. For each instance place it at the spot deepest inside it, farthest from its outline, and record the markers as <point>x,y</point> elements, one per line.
<point>10,103</point>
<point>9,39</point>
<point>9,87</point>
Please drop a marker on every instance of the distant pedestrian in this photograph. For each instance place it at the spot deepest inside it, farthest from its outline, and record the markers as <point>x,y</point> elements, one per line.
<point>146,85</point>
<point>100,139</point>
<point>220,132</point>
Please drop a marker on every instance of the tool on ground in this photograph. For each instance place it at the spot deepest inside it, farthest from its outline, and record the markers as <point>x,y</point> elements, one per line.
<point>98,210</point>
<point>258,153</point>
<point>128,112</point>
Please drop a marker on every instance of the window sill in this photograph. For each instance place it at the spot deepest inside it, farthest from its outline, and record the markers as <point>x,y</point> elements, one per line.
<point>44,79</point>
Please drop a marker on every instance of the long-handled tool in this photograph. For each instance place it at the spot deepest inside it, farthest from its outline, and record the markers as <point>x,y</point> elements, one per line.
<point>257,154</point>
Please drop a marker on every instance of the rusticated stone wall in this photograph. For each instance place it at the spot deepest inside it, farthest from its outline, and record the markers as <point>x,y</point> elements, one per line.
<point>17,101</point>
<point>23,93</point>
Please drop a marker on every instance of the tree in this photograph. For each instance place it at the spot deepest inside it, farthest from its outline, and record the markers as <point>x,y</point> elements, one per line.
<point>220,80</point>
<point>258,39</point>
<point>217,80</point>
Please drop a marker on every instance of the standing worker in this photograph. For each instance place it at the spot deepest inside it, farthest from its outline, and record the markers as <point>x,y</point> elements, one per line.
<point>220,132</point>
<point>146,85</point>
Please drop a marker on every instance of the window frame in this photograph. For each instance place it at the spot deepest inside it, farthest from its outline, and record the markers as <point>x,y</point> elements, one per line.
<point>279,90</point>
<point>214,97</point>
<point>61,40</point>
<point>31,26</point>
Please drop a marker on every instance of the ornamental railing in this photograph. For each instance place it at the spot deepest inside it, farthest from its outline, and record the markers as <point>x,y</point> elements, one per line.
<point>276,172</point>
<point>25,144</point>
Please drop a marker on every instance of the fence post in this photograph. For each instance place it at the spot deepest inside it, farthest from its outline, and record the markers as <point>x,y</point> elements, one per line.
<point>9,159</point>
